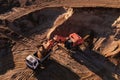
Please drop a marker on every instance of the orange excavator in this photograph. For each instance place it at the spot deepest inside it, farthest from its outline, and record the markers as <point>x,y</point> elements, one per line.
<point>45,50</point>
<point>70,42</point>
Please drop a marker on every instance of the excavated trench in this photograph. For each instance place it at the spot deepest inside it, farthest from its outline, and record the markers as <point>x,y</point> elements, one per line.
<point>102,24</point>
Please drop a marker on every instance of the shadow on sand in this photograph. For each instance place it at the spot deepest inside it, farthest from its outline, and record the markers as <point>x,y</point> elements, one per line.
<point>6,57</point>
<point>55,71</point>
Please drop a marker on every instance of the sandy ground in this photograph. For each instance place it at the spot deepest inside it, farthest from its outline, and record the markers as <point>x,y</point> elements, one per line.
<point>28,31</point>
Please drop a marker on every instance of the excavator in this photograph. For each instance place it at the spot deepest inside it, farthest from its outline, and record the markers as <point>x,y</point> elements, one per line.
<point>45,50</point>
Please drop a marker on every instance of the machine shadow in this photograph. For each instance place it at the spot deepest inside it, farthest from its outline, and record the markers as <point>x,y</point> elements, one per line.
<point>96,65</point>
<point>6,57</point>
<point>55,71</point>
<point>96,62</point>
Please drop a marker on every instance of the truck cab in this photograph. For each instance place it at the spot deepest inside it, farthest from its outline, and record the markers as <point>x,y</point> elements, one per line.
<point>36,59</point>
<point>32,62</point>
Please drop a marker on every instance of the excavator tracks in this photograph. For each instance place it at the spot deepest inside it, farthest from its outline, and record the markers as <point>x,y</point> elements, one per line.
<point>92,62</point>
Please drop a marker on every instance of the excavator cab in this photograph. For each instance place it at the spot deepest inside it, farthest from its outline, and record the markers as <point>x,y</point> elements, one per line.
<point>76,39</point>
<point>73,41</point>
